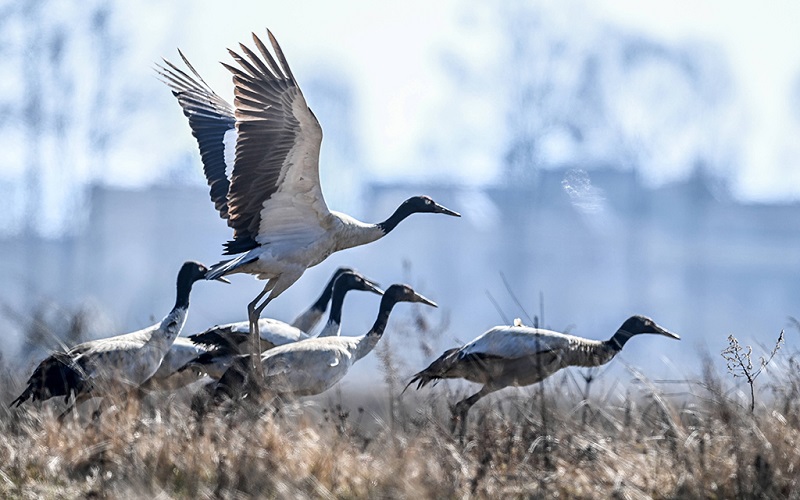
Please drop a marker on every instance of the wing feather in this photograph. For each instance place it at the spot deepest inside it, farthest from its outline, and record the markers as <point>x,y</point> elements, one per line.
<point>276,70</point>
<point>210,118</point>
<point>277,151</point>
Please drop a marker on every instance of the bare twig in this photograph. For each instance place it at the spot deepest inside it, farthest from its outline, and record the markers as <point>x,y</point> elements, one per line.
<point>740,363</point>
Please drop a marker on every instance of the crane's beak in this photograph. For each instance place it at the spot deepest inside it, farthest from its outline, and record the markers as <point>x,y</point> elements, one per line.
<point>420,298</point>
<point>663,331</point>
<point>439,209</point>
<point>373,287</point>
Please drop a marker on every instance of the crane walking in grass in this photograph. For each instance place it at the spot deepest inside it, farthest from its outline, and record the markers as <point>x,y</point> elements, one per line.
<point>110,365</point>
<point>273,199</point>
<point>520,355</point>
<point>220,342</point>
<point>315,365</point>
<point>224,343</point>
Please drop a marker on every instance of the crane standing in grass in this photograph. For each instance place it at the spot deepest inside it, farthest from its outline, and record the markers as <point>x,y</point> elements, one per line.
<point>226,342</point>
<point>217,345</point>
<point>314,365</point>
<point>123,362</point>
<point>521,355</point>
<point>273,199</point>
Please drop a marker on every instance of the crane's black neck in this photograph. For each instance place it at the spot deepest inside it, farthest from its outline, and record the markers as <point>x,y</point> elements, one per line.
<point>185,281</point>
<point>387,303</point>
<point>396,218</point>
<point>322,302</point>
<point>336,305</point>
<point>619,339</point>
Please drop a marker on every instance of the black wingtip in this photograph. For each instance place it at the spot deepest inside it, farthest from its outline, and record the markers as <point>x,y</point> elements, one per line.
<point>239,245</point>
<point>410,383</point>
<point>421,380</point>
<point>21,399</point>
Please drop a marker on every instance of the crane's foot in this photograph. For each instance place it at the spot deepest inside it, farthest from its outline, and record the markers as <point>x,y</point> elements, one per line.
<point>458,420</point>
<point>64,414</point>
<point>203,402</point>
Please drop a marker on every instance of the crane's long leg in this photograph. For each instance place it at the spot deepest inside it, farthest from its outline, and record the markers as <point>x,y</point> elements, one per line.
<point>74,402</point>
<point>462,408</point>
<point>253,315</point>
<point>66,412</point>
<point>104,404</point>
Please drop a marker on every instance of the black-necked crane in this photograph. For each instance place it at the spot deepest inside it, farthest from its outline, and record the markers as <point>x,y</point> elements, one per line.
<point>520,355</point>
<point>217,344</point>
<point>224,343</point>
<point>315,365</point>
<point>118,363</point>
<point>308,319</point>
<point>273,199</point>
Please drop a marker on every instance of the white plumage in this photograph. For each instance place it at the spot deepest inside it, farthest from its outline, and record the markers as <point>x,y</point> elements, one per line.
<point>273,199</point>
<point>520,355</point>
<point>113,364</point>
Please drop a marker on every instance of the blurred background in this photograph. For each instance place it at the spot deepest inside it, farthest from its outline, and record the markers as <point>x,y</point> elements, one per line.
<point>609,158</point>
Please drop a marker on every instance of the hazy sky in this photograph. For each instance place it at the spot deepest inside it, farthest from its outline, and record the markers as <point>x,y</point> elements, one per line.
<point>393,53</point>
<point>761,40</point>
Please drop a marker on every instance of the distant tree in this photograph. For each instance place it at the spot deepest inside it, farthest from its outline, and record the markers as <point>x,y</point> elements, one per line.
<point>59,61</point>
<point>575,91</point>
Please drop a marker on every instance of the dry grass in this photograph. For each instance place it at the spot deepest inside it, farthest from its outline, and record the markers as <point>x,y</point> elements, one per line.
<point>574,439</point>
<point>638,445</point>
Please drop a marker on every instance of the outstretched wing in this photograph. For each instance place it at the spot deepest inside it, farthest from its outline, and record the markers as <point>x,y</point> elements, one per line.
<point>275,192</point>
<point>212,121</point>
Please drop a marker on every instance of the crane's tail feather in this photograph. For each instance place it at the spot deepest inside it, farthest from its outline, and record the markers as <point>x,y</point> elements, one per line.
<point>240,245</point>
<point>421,379</point>
<point>437,370</point>
<point>221,337</point>
<point>26,395</point>
<point>233,382</point>
<point>57,375</point>
<point>198,362</point>
<point>228,266</point>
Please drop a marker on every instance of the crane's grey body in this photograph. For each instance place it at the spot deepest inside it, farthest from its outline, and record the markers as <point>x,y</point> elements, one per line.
<point>273,199</point>
<point>519,356</point>
<point>307,320</point>
<point>228,341</point>
<point>234,335</point>
<point>225,341</point>
<point>313,366</point>
<point>132,358</point>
